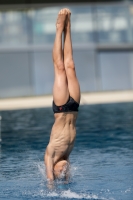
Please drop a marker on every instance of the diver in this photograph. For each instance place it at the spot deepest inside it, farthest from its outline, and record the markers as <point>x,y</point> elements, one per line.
<point>66,99</point>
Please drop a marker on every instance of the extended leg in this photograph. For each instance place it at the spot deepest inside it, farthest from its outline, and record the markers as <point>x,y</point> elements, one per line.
<point>60,89</point>
<point>73,85</point>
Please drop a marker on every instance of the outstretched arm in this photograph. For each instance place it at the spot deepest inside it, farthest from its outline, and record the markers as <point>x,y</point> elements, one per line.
<point>48,158</point>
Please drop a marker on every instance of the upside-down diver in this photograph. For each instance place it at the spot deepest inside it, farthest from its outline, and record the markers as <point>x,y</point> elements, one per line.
<point>66,99</point>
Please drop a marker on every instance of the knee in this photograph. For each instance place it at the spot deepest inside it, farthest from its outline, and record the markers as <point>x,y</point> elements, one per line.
<point>59,65</point>
<point>69,64</point>
<point>70,69</point>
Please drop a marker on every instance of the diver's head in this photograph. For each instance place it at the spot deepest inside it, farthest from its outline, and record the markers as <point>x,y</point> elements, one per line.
<point>61,169</point>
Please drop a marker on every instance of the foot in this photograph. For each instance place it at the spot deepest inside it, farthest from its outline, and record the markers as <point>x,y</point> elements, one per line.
<point>68,20</point>
<point>61,20</point>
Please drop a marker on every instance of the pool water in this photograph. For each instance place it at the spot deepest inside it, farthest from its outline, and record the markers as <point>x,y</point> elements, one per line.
<point>101,161</point>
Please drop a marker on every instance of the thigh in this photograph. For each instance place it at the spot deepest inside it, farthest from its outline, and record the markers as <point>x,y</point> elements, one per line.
<point>73,84</point>
<point>60,89</point>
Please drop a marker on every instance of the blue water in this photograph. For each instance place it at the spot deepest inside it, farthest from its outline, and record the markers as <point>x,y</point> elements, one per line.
<point>101,161</point>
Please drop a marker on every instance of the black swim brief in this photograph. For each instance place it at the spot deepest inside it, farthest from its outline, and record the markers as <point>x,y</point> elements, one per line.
<point>70,106</point>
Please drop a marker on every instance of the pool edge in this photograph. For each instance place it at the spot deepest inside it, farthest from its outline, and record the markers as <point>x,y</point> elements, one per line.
<point>46,101</point>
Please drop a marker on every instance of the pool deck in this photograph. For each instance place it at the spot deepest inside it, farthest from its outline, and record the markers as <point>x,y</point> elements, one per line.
<point>46,101</point>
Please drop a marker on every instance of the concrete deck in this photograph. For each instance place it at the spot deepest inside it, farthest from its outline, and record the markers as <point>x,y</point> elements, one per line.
<point>46,101</point>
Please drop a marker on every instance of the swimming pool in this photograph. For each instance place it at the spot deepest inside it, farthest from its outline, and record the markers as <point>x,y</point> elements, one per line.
<point>101,161</point>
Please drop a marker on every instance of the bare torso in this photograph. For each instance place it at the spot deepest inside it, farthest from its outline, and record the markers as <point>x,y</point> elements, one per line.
<point>62,135</point>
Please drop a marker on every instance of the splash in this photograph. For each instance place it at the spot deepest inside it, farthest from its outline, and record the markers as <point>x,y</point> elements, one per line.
<point>63,191</point>
<point>41,168</point>
<point>68,194</point>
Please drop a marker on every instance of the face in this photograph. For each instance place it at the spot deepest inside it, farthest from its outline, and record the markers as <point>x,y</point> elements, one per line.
<point>61,169</point>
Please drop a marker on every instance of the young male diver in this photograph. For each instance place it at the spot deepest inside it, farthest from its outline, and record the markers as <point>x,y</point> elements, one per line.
<point>66,99</point>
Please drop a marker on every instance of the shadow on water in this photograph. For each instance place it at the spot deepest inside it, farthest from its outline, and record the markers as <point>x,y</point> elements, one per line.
<point>101,161</point>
